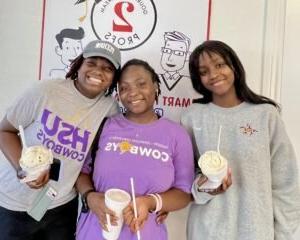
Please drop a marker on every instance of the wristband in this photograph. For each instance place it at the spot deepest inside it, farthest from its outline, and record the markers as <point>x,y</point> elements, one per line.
<point>21,173</point>
<point>85,207</point>
<point>158,202</point>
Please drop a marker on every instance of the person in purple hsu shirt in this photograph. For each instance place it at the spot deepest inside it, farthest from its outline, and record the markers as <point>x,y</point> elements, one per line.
<point>155,151</point>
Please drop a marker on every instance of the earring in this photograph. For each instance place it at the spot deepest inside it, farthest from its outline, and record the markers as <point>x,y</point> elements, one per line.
<point>156,96</point>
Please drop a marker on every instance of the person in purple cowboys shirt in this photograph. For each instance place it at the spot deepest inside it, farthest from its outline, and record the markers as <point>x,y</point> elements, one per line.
<point>155,151</point>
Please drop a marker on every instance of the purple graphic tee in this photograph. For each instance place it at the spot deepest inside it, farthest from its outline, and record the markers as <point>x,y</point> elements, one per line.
<point>158,156</point>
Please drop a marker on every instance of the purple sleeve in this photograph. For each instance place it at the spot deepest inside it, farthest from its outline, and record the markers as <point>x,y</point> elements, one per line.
<point>183,162</point>
<point>87,165</point>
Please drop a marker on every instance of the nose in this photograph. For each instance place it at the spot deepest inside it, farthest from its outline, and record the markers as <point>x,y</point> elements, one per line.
<point>133,91</point>
<point>74,52</point>
<point>97,71</point>
<point>213,73</point>
<point>170,57</point>
<point>77,51</point>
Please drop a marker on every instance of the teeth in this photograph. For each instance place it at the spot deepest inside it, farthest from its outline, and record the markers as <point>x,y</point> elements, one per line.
<point>217,83</point>
<point>135,102</point>
<point>96,80</point>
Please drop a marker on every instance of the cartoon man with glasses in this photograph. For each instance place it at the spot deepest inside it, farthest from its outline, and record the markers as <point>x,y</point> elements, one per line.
<point>173,57</point>
<point>177,90</point>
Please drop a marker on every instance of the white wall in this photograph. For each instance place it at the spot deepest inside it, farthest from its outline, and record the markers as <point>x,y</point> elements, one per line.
<point>291,77</point>
<point>20,26</point>
<point>239,23</point>
<point>291,74</point>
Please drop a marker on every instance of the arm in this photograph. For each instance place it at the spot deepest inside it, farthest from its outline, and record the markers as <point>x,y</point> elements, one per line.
<point>285,181</point>
<point>95,200</point>
<point>146,204</point>
<point>10,145</point>
<point>178,196</point>
<point>203,196</point>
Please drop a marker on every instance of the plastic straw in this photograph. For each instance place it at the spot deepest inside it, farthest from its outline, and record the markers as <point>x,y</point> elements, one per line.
<point>134,205</point>
<point>219,139</point>
<point>108,222</point>
<point>22,135</point>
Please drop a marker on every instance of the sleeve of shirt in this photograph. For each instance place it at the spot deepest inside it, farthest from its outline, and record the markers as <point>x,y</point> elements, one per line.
<point>285,181</point>
<point>186,122</point>
<point>200,197</point>
<point>114,109</point>
<point>88,164</point>
<point>183,162</point>
<point>24,109</point>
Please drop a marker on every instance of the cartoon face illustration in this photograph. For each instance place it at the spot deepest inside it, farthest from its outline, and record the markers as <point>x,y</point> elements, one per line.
<point>69,44</point>
<point>69,47</point>
<point>174,52</point>
<point>69,50</point>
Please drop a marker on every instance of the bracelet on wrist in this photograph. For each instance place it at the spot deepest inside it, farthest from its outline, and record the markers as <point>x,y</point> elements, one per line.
<point>20,173</point>
<point>158,202</point>
<point>85,207</point>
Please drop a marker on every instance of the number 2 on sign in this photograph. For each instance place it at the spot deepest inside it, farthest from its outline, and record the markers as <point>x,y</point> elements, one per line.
<point>126,27</point>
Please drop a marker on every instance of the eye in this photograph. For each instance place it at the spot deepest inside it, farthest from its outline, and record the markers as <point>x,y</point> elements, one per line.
<point>122,88</point>
<point>108,69</point>
<point>179,53</point>
<point>220,65</point>
<point>142,84</point>
<point>89,63</point>
<point>202,73</point>
<point>166,50</point>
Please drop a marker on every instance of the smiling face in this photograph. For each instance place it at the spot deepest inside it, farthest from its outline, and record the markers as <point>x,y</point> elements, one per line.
<point>95,75</point>
<point>217,77</point>
<point>137,92</point>
<point>173,56</point>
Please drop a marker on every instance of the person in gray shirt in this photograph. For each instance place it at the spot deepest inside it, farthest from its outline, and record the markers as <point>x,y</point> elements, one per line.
<point>260,196</point>
<point>62,115</point>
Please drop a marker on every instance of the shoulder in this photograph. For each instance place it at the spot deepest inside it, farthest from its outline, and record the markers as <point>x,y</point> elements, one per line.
<point>115,120</point>
<point>196,107</point>
<point>48,84</point>
<point>172,128</point>
<point>194,110</point>
<point>264,110</point>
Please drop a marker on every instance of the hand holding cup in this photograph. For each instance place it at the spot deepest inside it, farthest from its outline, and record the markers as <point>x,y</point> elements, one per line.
<point>115,201</point>
<point>226,183</point>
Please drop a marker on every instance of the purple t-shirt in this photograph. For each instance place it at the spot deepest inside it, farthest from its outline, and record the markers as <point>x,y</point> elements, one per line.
<point>158,156</point>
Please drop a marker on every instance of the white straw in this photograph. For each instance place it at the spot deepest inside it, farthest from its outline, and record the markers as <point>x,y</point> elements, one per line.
<point>219,139</point>
<point>22,135</point>
<point>108,222</point>
<point>134,205</point>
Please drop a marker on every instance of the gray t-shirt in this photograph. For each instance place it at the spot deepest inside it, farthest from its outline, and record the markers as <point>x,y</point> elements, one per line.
<point>55,114</point>
<point>263,202</point>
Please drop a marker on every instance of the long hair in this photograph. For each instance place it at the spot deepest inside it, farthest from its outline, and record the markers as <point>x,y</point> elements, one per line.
<point>76,64</point>
<point>244,93</point>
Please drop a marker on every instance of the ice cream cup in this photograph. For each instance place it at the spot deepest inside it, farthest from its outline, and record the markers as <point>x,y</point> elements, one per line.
<point>116,200</point>
<point>214,166</point>
<point>34,160</point>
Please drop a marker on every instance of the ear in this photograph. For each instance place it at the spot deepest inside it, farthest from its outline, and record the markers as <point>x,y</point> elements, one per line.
<point>58,50</point>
